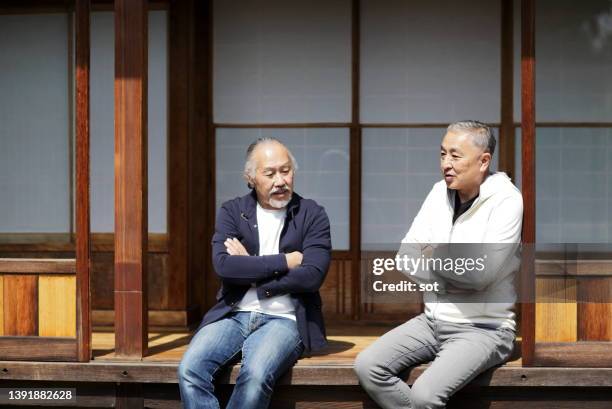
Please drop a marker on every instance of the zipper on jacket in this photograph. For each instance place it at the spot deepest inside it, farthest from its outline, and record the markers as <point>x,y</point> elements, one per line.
<point>463,216</point>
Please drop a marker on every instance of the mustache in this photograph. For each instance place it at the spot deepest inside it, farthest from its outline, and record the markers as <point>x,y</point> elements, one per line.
<point>281,189</point>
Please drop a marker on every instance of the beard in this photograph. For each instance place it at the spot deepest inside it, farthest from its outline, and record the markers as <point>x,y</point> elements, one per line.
<point>279,204</point>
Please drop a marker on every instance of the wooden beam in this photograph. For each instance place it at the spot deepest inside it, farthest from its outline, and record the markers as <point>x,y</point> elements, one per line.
<point>574,354</point>
<point>574,124</point>
<point>54,6</point>
<point>442,125</point>
<point>38,348</point>
<point>355,165</point>
<point>204,282</point>
<point>286,125</point>
<point>528,178</point>
<point>506,130</point>
<point>1,305</point>
<point>83,240</point>
<point>179,116</point>
<point>131,228</point>
<point>306,375</point>
<point>37,265</point>
<point>54,242</point>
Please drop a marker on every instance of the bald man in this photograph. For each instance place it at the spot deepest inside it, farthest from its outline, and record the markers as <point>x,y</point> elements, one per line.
<point>271,250</point>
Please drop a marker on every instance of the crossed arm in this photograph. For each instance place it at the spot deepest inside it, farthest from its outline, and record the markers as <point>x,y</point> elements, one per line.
<point>235,248</point>
<point>277,274</point>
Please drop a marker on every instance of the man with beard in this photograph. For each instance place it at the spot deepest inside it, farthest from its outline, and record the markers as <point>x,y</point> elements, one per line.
<point>271,250</point>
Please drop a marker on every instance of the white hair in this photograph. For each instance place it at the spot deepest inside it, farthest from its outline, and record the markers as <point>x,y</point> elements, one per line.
<point>249,164</point>
<point>481,133</point>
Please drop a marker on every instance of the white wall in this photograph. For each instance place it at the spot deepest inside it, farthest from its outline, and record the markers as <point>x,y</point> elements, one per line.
<point>282,61</point>
<point>573,184</point>
<point>574,60</point>
<point>34,123</point>
<point>430,61</point>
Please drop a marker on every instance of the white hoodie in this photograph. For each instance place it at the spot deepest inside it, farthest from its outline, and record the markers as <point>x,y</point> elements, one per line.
<point>495,217</point>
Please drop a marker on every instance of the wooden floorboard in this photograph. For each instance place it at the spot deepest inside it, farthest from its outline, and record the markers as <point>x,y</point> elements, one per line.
<point>344,345</point>
<point>169,347</point>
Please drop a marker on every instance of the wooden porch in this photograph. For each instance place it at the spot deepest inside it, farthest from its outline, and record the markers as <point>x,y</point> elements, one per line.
<point>324,380</point>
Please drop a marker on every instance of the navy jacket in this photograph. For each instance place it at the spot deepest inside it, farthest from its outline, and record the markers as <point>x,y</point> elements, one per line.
<point>306,229</point>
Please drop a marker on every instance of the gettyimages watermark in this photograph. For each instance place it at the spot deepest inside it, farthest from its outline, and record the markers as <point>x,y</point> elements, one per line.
<point>485,273</point>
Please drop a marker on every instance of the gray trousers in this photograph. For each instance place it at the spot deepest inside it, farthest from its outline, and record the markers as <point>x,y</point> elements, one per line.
<point>459,353</point>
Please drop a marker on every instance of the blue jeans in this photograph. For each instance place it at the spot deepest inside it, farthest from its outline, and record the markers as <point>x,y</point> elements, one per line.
<point>270,345</point>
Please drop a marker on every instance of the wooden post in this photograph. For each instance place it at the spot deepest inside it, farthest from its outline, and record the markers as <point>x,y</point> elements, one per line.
<point>528,180</point>
<point>178,150</point>
<point>202,161</point>
<point>355,163</point>
<point>131,178</point>
<point>83,245</point>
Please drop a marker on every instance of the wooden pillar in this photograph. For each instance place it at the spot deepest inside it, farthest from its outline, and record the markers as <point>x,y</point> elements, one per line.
<point>131,178</point>
<point>355,163</point>
<point>528,179</point>
<point>178,152</point>
<point>83,250</point>
<point>203,280</point>
<point>191,159</point>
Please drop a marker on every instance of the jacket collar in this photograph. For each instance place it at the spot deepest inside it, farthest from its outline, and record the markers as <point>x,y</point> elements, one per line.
<point>495,182</point>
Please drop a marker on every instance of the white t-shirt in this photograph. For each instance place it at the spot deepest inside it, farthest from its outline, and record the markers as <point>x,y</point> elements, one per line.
<point>269,226</point>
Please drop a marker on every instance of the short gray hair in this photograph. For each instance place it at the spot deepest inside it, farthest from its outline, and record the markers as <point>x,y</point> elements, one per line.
<point>249,164</point>
<point>481,133</point>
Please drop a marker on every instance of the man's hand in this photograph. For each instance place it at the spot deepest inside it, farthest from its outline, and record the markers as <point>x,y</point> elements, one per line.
<point>294,259</point>
<point>235,248</point>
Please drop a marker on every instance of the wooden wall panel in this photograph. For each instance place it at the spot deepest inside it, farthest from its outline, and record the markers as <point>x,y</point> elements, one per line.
<point>159,277</point>
<point>1,305</point>
<point>20,305</point>
<point>336,290</point>
<point>102,281</point>
<point>595,318</point>
<point>57,306</point>
<point>346,300</point>
<point>555,313</point>
<point>162,295</point>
